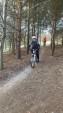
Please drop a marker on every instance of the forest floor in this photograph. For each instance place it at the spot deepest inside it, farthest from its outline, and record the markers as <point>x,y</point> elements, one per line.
<point>41,89</point>
<point>13,66</point>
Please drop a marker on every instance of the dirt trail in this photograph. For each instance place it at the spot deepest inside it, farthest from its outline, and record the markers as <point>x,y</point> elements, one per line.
<point>13,81</point>
<point>41,91</point>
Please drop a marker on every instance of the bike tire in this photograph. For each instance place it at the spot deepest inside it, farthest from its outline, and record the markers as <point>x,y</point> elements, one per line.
<point>33,64</point>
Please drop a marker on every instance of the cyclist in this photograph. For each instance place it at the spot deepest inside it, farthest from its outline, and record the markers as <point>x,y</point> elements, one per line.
<point>35,45</point>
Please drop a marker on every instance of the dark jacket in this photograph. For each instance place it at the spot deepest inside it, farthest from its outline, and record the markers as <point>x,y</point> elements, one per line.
<point>34,45</point>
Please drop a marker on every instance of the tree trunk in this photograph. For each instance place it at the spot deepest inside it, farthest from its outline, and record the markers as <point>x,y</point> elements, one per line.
<point>28,38</point>
<point>40,35</point>
<point>4,35</point>
<point>18,47</point>
<point>13,44</point>
<point>53,37</point>
<point>62,40</point>
<point>5,45</point>
<point>38,29</point>
<point>25,40</point>
<point>53,45</point>
<point>10,45</point>
<point>33,27</point>
<point>1,55</point>
<point>18,53</point>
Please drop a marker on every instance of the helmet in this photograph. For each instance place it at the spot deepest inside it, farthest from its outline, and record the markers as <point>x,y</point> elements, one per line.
<point>34,37</point>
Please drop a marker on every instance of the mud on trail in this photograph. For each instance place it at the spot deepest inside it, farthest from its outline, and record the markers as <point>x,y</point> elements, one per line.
<point>41,91</point>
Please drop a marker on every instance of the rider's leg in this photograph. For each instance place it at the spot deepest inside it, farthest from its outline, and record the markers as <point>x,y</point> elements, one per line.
<point>37,54</point>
